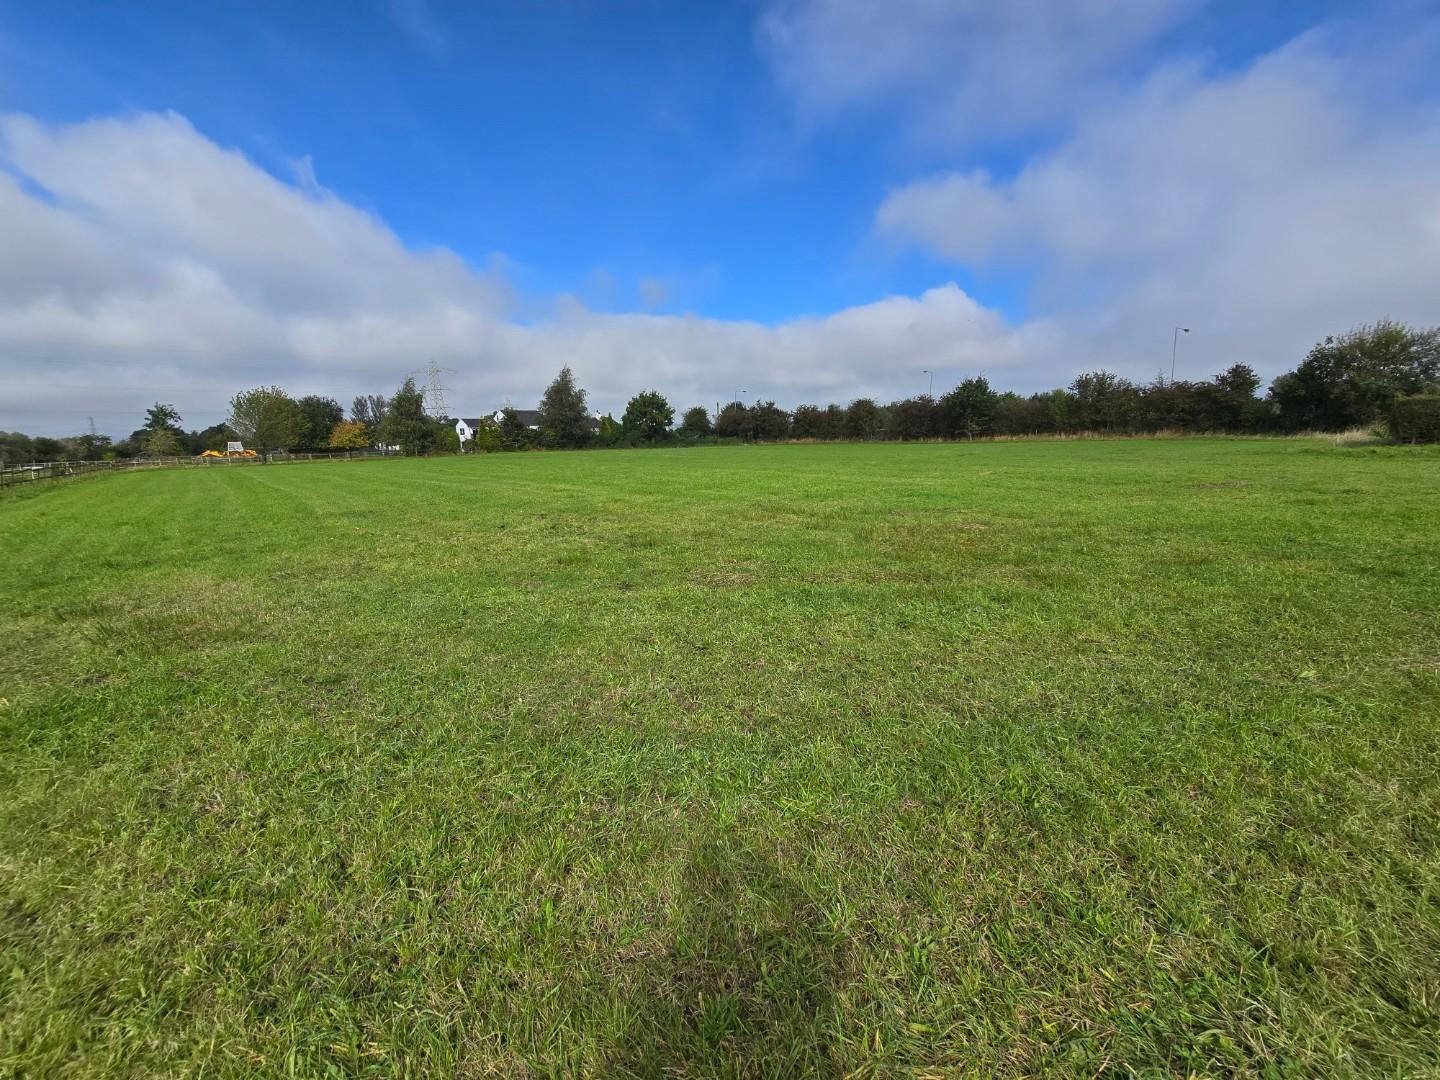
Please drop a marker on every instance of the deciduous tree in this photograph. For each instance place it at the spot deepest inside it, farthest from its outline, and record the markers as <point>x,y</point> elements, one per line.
<point>486,437</point>
<point>349,435</point>
<point>92,447</point>
<point>1353,379</point>
<point>161,443</point>
<point>733,421</point>
<point>1234,405</point>
<point>969,409</point>
<point>612,433</point>
<point>648,417</point>
<point>265,418</point>
<point>806,422</point>
<point>370,410</point>
<point>1103,401</point>
<point>318,417</point>
<point>48,449</point>
<point>16,448</point>
<point>696,422</point>
<point>769,421</point>
<point>916,418</point>
<point>862,419</point>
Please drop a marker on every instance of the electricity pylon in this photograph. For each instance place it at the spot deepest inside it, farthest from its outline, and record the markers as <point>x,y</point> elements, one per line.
<point>434,391</point>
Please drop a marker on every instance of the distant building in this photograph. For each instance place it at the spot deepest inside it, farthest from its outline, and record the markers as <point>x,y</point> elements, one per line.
<point>529,417</point>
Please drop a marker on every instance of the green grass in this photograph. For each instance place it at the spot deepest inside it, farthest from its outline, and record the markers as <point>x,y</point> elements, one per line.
<point>992,759</point>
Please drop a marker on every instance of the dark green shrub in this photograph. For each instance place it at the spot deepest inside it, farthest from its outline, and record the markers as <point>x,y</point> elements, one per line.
<point>696,423</point>
<point>769,421</point>
<point>969,409</point>
<point>733,421</point>
<point>447,440</point>
<point>1416,419</point>
<point>514,434</point>
<point>862,419</point>
<point>487,438</point>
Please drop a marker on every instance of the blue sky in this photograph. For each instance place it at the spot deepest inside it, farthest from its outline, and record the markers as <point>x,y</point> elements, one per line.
<point>737,168</point>
<point>579,139</point>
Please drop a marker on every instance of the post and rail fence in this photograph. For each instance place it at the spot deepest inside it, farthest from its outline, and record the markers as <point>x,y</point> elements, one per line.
<point>12,476</point>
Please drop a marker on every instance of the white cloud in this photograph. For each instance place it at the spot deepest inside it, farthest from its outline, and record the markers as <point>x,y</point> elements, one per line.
<point>873,349</point>
<point>154,187</point>
<point>1265,208</point>
<point>142,261</point>
<point>959,68</point>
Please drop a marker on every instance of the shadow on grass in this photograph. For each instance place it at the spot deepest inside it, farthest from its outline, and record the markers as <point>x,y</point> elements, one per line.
<point>746,985</point>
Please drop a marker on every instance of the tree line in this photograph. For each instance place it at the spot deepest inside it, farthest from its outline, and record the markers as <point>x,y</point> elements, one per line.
<point>1383,373</point>
<point>265,418</point>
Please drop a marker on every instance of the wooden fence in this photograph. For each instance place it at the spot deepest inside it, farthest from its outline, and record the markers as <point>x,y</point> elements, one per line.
<point>38,472</point>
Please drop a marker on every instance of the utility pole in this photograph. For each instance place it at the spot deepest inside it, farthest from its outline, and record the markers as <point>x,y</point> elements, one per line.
<point>1174,343</point>
<point>930,393</point>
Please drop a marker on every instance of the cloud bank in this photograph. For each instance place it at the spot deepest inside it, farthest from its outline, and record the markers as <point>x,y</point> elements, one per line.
<point>957,70</point>
<point>146,262</point>
<point>1265,208</point>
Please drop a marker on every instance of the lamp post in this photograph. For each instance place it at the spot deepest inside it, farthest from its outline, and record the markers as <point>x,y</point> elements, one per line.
<point>930,393</point>
<point>737,396</point>
<point>1174,344</point>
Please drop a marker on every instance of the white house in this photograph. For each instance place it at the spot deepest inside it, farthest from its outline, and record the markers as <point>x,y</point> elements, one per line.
<point>466,426</point>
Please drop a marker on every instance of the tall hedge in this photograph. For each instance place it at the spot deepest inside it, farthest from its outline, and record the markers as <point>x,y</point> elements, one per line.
<point>1416,419</point>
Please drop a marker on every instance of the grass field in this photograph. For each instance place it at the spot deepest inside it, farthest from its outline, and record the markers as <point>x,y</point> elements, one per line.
<point>991,759</point>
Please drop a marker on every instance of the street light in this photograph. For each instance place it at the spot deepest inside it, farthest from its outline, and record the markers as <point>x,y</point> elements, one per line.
<point>736,399</point>
<point>931,392</point>
<point>1174,342</point>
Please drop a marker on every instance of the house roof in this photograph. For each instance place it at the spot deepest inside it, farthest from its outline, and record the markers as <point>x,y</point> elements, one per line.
<point>528,417</point>
<point>470,421</point>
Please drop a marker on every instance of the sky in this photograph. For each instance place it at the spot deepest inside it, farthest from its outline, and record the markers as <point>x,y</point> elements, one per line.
<point>804,200</point>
